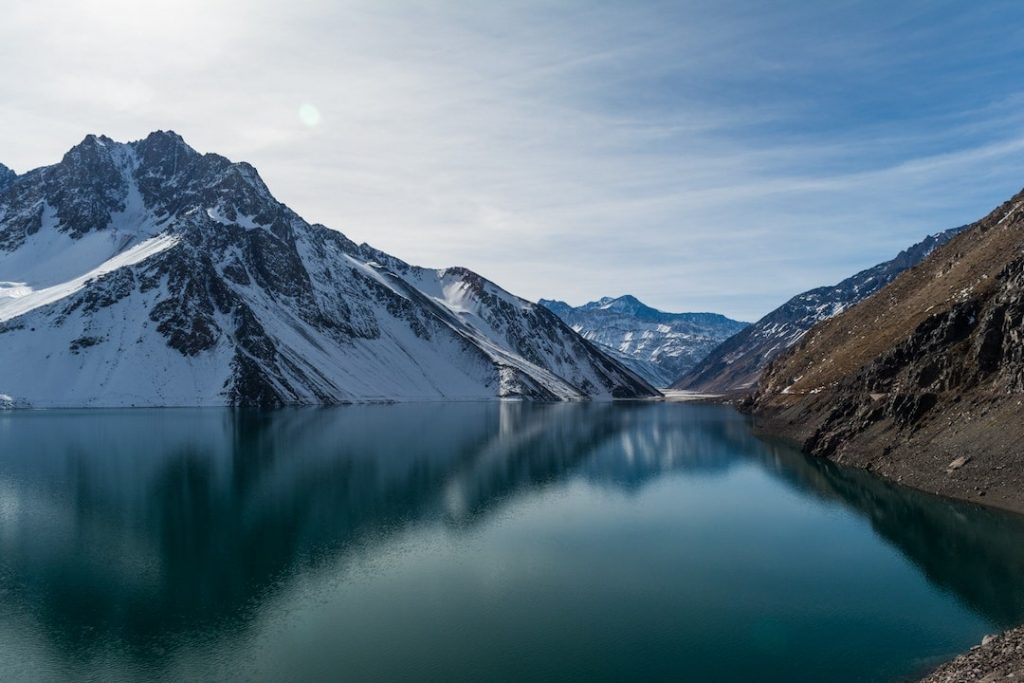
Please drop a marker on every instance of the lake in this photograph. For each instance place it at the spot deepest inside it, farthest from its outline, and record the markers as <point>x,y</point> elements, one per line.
<point>475,542</point>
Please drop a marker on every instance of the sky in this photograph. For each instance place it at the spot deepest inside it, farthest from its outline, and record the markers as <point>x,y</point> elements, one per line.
<point>703,156</point>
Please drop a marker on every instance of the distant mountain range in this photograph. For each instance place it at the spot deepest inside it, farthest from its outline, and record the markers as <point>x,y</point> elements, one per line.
<point>657,345</point>
<point>148,274</point>
<point>738,362</point>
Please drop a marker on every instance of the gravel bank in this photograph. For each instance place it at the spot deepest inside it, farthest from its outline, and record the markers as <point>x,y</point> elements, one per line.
<point>999,658</point>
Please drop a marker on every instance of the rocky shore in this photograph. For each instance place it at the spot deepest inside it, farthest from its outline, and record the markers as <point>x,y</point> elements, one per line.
<point>998,658</point>
<point>976,460</point>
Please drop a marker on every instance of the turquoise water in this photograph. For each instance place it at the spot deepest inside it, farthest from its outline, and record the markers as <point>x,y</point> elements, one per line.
<point>474,542</point>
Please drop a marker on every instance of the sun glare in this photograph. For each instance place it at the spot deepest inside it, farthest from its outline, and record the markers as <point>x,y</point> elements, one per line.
<point>309,114</point>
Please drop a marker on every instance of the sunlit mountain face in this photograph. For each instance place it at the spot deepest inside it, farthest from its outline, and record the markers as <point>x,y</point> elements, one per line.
<point>148,274</point>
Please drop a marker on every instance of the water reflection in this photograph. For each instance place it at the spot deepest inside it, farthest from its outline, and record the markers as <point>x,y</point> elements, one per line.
<point>975,553</point>
<point>136,527</point>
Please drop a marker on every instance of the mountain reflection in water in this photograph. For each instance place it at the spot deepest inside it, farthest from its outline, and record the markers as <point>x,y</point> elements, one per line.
<point>135,530</point>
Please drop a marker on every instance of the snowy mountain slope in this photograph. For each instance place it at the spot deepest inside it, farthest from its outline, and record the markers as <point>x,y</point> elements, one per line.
<point>737,363</point>
<point>145,273</point>
<point>656,345</point>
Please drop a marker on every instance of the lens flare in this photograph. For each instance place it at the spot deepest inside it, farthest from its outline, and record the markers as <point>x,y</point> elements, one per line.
<point>308,114</point>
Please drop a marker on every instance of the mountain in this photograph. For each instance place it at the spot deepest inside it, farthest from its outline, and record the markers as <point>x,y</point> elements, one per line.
<point>148,274</point>
<point>924,381</point>
<point>658,346</point>
<point>7,176</point>
<point>738,362</point>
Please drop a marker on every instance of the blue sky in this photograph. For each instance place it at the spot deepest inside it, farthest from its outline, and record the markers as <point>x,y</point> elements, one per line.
<point>701,155</point>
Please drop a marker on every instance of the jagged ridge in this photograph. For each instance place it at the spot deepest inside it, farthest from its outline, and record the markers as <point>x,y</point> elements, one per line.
<point>657,345</point>
<point>738,362</point>
<point>145,273</point>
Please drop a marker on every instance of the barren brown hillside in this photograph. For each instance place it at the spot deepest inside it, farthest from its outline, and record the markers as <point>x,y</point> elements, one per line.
<point>965,268</point>
<point>924,381</point>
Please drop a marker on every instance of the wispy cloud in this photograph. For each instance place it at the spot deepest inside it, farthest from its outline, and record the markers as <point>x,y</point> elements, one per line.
<point>712,156</point>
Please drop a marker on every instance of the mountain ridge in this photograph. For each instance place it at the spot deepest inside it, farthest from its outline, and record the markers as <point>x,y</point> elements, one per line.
<point>146,273</point>
<point>7,176</point>
<point>656,344</point>
<point>922,382</point>
<point>737,363</point>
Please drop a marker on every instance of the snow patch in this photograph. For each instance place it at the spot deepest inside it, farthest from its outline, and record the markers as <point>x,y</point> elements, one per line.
<point>8,402</point>
<point>29,299</point>
<point>247,222</point>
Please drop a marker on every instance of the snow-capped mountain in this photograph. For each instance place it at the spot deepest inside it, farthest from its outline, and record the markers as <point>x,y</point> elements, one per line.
<point>658,346</point>
<point>737,363</point>
<point>148,274</point>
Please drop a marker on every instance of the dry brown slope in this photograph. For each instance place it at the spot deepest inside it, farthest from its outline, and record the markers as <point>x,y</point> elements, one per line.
<point>924,381</point>
<point>966,267</point>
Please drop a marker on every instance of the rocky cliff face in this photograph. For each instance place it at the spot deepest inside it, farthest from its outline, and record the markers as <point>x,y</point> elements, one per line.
<point>736,364</point>
<point>7,176</point>
<point>657,345</point>
<point>146,273</point>
<point>923,382</point>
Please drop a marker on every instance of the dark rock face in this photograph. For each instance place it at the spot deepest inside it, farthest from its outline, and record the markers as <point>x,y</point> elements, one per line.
<point>7,176</point>
<point>737,363</point>
<point>924,382</point>
<point>237,300</point>
<point>973,345</point>
<point>658,346</point>
<point>87,187</point>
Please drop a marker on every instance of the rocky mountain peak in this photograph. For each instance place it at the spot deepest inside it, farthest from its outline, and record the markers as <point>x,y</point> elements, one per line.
<point>148,180</point>
<point>626,303</point>
<point>165,152</point>
<point>161,276</point>
<point>91,141</point>
<point>94,151</point>
<point>658,346</point>
<point>168,137</point>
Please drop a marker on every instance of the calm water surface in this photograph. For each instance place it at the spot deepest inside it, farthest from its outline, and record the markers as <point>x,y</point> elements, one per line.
<point>474,542</point>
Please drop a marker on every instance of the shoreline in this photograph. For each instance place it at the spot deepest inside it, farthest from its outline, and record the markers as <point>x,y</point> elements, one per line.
<point>924,464</point>
<point>998,657</point>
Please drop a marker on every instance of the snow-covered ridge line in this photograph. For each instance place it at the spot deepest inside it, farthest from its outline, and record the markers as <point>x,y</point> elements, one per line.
<point>148,274</point>
<point>737,363</point>
<point>658,346</point>
<point>18,299</point>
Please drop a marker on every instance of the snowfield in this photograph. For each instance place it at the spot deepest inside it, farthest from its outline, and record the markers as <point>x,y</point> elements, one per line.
<point>19,298</point>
